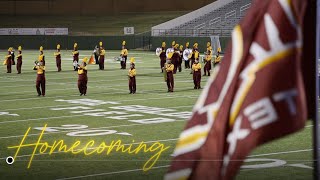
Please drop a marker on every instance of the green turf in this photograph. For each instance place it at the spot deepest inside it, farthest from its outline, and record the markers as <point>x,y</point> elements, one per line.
<point>92,25</point>
<point>18,96</point>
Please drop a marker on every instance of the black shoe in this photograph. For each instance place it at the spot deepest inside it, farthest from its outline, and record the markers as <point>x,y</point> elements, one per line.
<point>39,95</point>
<point>195,87</point>
<point>130,93</point>
<point>84,94</point>
<point>208,74</point>
<point>81,94</point>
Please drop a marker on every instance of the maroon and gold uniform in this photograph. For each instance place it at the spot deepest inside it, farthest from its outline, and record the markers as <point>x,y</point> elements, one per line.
<point>132,77</point>
<point>175,58</point>
<point>163,56</point>
<point>196,68</point>
<point>218,58</point>
<point>19,60</point>
<point>180,58</point>
<point>8,61</point>
<point>101,45</point>
<point>169,67</point>
<point>58,58</point>
<point>41,79</point>
<point>195,54</point>
<point>83,77</point>
<point>41,56</point>
<point>207,60</point>
<point>124,55</point>
<point>101,58</point>
<point>12,56</point>
<point>75,54</point>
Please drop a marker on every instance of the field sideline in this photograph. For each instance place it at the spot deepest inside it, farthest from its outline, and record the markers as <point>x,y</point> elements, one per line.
<point>109,113</point>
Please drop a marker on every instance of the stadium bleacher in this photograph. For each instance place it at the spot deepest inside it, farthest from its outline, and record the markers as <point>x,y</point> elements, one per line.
<point>215,21</point>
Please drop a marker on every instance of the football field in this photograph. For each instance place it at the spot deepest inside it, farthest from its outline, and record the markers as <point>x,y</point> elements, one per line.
<point>80,130</point>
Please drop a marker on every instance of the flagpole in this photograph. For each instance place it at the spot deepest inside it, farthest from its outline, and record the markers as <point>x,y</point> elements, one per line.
<point>316,132</point>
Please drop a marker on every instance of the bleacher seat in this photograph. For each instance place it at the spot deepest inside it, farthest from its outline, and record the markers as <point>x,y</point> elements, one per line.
<point>217,22</point>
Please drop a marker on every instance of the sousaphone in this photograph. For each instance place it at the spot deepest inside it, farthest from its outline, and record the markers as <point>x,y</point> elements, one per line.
<point>158,51</point>
<point>169,50</point>
<point>187,54</point>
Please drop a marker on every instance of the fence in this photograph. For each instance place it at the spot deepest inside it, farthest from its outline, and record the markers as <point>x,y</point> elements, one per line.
<point>141,41</point>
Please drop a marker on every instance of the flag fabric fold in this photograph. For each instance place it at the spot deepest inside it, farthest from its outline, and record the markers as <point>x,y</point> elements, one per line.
<point>256,96</point>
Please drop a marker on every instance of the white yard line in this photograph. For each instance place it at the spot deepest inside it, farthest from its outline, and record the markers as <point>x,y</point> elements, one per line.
<point>48,75</point>
<point>47,97</point>
<point>157,167</point>
<point>284,152</point>
<point>38,107</point>
<point>42,107</point>
<point>73,83</point>
<point>38,119</point>
<point>118,85</point>
<point>107,127</point>
<point>49,118</point>
<point>110,173</point>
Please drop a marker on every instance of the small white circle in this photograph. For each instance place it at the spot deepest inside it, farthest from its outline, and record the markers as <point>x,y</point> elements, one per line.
<point>9,160</point>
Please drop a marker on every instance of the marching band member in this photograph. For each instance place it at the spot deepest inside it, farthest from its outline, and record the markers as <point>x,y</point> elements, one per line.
<point>208,57</point>
<point>124,55</point>
<point>218,58</point>
<point>187,62</point>
<point>75,54</point>
<point>96,54</point>
<point>169,67</point>
<point>41,56</point>
<point>180,58</point>
<point>101,58</point>
<point>12,55</point>
<point>97,51</point>
<point>175,58</point>
<point>195,54</point>
<point>173,44</point>
<point>41,79</point>
<point>196,68</point>
<point>163,56</point>
<point>132,77</point>
<point>8,61</point>
<point>19,60</point>
<point>58,58</point>
<point>101,45</point>
<point>82,77</point>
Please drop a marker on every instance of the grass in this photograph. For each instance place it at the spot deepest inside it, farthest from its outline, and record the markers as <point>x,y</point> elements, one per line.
<point>18,96</point>
<point>93,25</point>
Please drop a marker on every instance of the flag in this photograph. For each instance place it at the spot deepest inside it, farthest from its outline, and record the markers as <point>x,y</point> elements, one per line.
<point>91,61</point>
<point>257,95</point>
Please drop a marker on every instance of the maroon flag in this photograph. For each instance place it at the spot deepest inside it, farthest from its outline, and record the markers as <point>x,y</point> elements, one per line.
<point>256,96</point>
